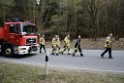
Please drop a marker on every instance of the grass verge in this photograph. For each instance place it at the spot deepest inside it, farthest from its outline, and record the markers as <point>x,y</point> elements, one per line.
<point>16,73</point>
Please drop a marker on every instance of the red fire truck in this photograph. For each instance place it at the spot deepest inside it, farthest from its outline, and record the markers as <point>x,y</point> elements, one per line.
<point>18,38</point>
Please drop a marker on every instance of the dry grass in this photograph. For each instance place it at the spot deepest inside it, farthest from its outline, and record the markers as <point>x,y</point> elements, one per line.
<point>87,44</point>
<point>13,73</point>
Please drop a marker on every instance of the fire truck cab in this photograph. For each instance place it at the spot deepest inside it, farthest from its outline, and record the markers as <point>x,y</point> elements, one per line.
<point>18,38</point>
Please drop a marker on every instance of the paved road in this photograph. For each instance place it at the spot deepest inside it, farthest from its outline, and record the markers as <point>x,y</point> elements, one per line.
<point>90,61</point>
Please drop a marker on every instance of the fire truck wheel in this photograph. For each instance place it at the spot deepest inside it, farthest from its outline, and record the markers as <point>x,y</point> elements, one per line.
<point>8,51</point>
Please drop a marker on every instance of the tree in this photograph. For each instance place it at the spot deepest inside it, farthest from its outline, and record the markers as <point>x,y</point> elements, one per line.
<point>5,6</point>
<point>94,7</point>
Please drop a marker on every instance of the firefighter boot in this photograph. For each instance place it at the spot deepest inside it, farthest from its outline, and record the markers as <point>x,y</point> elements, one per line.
<point>73,54</point>
<point>57,52</point>
<point>69,53</point>
<point>53,52</point>
<point>81,54</point>
<point>62,52</point>
<point>40,52</point>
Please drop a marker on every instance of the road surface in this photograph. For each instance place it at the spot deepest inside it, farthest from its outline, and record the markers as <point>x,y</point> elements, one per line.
<point>90,61</point>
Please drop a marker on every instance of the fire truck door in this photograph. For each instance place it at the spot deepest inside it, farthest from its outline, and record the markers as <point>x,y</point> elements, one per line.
<point>14,34</point>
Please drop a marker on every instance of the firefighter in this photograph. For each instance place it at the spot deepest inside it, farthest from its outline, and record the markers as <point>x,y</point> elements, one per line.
<point>56,45</point>
<point>66,44</point>
<point>42,43</point>
<point>77,46</point>
<point>108,46</point>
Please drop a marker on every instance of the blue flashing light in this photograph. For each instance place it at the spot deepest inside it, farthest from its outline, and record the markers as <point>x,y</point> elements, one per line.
<point>16,19</point>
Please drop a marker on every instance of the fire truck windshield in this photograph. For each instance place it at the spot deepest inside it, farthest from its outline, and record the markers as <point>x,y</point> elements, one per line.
<point>28,29</point>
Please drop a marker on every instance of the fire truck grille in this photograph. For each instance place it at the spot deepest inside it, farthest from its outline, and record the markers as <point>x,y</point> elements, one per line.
<point>34,48</point>
<point>30,40</point>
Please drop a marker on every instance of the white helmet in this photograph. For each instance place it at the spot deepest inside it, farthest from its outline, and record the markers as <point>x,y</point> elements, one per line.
<point>110,34</point>
<point>79,36</point>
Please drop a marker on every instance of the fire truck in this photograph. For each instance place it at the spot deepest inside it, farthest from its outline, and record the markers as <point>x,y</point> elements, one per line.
<point>18,38</point>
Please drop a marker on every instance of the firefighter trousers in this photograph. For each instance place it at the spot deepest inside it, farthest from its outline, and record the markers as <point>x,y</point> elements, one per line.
<point>109,50</point>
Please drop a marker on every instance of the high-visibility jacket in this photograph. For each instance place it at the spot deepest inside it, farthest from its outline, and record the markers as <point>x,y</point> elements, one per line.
<point>42,41</point>
<point>55,42</point>
<point>108,42</point>
<point>67,41</point>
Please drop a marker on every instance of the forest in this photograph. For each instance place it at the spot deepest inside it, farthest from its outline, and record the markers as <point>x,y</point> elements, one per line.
<point>90,18</point>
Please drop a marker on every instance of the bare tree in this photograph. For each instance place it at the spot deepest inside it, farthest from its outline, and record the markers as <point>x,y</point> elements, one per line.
<point>94,7</point>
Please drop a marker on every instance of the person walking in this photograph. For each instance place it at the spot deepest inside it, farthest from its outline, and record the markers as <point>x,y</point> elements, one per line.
<point>55,45</point>
<point>108,46</point>
<point>66,44</point>
<point>77,46</point>
<point>42,43</point>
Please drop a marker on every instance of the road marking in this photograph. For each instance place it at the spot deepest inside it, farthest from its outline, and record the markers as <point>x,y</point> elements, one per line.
<point>87,69</point>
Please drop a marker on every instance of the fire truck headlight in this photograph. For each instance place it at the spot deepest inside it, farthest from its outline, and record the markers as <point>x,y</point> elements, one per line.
<point>22,49</point>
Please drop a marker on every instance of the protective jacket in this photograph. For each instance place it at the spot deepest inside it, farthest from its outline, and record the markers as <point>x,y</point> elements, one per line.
<point>108,42</point>
<point>42,41</point>
<point>67,41</point>
<point>55,42</point>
